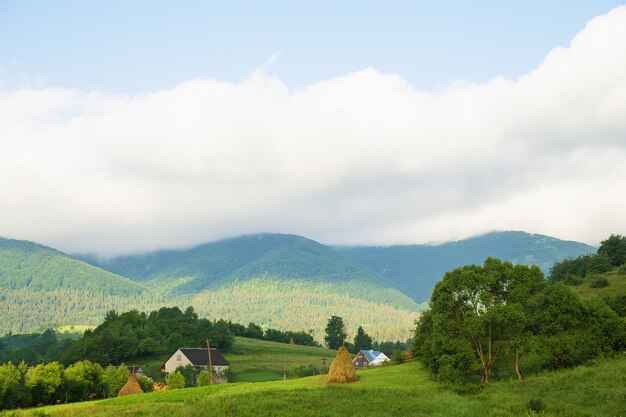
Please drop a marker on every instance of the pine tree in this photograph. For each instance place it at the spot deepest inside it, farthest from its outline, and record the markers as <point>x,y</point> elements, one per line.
<point>362,341</point>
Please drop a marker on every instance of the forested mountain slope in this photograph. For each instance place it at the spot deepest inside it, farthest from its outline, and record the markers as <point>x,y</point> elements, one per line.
<point>414,269</point>
<point>40,286</point>
<point>262,257</point>
<point>281,281</point>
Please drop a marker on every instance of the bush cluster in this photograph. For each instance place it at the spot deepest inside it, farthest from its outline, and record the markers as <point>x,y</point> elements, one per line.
<point>52,383</point>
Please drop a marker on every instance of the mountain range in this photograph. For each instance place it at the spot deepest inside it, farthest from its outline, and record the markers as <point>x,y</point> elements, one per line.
<point>276,280</point>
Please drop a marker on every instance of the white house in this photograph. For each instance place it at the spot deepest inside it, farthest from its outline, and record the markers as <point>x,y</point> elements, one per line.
<point>198,358</point>
<point>366,358</point>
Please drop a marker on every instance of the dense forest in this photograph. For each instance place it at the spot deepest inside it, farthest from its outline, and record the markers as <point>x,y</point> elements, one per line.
<point>43,288</point>
<point>277,281</point>
<point>130,336</point>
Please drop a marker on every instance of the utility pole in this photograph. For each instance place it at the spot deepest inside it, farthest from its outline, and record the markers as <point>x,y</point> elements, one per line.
<point>208,345</point>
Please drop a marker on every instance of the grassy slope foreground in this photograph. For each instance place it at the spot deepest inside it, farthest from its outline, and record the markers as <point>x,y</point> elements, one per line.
<point>404,390</point>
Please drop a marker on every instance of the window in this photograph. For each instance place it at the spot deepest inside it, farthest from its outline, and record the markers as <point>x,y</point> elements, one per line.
<point>179,358</point>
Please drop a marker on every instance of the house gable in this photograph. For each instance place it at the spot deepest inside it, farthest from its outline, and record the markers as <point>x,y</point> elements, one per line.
<point>197,357</point>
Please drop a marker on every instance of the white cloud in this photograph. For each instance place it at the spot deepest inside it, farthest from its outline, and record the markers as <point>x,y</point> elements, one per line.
<point>362,158</point>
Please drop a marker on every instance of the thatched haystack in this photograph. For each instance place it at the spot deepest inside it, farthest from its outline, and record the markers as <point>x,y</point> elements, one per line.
<point>342,370</point>
<point>159,386</point>
<point>132,387</point>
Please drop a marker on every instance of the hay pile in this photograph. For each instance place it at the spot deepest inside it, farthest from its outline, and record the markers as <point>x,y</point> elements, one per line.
<point>159,386</point>
<point>132,387</point>
<point>342,370</point>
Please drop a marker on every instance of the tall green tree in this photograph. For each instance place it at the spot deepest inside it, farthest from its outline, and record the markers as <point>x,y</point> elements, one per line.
<point>615,248</point>
<point>558,321</point>
<point>114,379</point>
<point>335,333</point>
<point>45,382</point>
<point>475,316</point>
<point>13,390</point>
<point>362,341</point>
<point>82,380</point>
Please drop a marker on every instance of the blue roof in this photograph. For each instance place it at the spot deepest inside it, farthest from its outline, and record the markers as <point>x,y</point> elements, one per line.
<point>370,354</point>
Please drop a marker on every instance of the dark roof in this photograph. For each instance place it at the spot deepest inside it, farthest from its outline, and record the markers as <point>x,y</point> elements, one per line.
<point>135,369</point>
<point>200,356</point>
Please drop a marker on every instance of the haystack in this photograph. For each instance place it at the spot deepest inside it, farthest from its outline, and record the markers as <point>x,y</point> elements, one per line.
<point>342,370</point>
<point>132,387</point>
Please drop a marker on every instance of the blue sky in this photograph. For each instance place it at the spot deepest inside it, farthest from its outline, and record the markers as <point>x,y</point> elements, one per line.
<point>145,46</point>
<point>127,126</point>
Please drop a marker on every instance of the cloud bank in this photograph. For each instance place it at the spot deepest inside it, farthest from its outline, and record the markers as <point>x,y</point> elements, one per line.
<point>359,159</point>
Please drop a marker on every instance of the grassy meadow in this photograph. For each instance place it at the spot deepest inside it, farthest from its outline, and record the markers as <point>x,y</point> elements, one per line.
<point>253,360</point>
<point>615,278</point>
<point>402,390</point>
<point>258,360</point>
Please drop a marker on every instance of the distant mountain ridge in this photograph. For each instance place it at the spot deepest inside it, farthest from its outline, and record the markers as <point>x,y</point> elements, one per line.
<point>268,256</point>
<point>415,269</point>
<point>276,280</point>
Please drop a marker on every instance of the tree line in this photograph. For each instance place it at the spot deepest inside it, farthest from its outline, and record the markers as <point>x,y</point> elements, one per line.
<point>254,331</point>
<point>336,336</point>
<point>503,318</point>
<point>610,254</point>
<point>124,337</point>
<point>53,383</point>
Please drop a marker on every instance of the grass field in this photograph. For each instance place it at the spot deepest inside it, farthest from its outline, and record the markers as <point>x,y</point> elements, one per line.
<point>403,390</point>
<point>258,360</point>
<point>253,360</point>
<point>617,286</point>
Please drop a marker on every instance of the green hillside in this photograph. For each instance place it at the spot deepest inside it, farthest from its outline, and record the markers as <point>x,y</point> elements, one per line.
<point>234,260</point>
<point>254,360</point>
<point>303,305</point>
<point>40,286</point>
<point>281,281</point>
<point>414,269</point>
<point>615,285</point>
<point>403,390</point>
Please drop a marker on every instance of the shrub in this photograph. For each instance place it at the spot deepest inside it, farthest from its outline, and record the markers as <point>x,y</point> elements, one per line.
<point>302,371</point>
<point>397,356</point>
<point>190,374</point>
<point>175,380</point>
<point>599,283</point>
<point>536,405</point>
<point>204,379</point>
<point>571,279</point>
<point>145,383</point>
